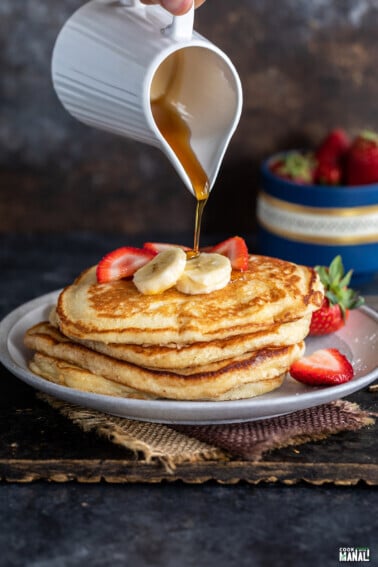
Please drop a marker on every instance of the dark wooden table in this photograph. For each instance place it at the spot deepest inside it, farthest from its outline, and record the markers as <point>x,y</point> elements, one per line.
<point>333,478</point>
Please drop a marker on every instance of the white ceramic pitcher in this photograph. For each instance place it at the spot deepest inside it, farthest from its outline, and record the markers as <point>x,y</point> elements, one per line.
<point>104,70</point>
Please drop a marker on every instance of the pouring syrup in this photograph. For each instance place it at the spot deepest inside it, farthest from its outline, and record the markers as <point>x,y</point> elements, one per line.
<point>170,117</point>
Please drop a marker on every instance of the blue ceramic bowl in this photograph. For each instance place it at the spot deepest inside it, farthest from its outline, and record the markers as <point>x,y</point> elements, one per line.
<point>311,224</point>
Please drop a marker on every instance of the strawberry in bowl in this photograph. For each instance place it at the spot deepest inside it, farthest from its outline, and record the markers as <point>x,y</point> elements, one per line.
<point>362,160</point>
<point>317,204</point>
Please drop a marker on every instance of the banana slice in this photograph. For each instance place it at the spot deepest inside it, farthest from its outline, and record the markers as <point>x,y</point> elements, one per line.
<point>204,274</point>
<point>161,273</point>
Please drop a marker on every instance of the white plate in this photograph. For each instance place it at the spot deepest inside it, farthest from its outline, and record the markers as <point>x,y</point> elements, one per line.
<point>358,340</point>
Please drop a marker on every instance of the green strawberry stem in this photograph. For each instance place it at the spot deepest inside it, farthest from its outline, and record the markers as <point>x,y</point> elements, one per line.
<point>336,284</point>
<point>369,136</point>
<point>298,166</point>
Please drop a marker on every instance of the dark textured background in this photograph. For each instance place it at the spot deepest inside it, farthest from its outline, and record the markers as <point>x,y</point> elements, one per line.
<point>305,66</point>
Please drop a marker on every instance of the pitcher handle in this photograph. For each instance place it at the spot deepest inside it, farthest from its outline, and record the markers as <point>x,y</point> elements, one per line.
<point>133,4</point>
<point>180,29</point>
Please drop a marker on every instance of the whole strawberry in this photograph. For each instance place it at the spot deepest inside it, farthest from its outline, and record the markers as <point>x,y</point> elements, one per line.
<point>338,300</point>
<point>296,167</point>
<point>333,147</point>
<point>330,158</point>
<point>362,159</point>
<point>328,173</point>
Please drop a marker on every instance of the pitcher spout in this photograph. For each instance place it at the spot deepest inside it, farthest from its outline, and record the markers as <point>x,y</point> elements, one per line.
<point>202,88</point>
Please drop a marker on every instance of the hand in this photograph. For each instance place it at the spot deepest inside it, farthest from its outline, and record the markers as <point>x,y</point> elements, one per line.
<point>176,7</point>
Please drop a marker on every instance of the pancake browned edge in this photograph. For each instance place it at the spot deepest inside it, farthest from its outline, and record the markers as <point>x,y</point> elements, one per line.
<point>269,292</point>
<point>233,343</point>
<point>176,357</point>
<point>255,372</point>
<point>65,374</point>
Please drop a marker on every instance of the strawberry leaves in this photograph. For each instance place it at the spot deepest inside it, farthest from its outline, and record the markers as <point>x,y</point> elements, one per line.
<point>338,299</point>
<point>336,283</point>
<point>296,167</point>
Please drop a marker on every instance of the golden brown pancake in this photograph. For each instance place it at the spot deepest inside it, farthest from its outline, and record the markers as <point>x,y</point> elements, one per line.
<point>270,292</point>
<point>233,343</point>
<point>176,357</point>
<point>256,371</point>
<point>72,376</point>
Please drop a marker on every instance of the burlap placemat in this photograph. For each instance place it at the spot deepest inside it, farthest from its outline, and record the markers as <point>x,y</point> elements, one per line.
<point>151,441</point>
<point>174,445</point>
<point>250,440</point>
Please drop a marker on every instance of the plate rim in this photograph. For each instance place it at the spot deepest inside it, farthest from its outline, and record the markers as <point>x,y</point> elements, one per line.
<point>320,395</point>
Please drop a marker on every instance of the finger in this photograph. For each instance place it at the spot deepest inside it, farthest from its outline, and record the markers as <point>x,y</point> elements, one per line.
<point>177,7</point>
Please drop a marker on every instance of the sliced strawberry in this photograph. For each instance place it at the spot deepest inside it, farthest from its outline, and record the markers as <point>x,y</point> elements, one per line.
<point>236,251</point>
<point>157,247</point>
<point>325,367</point>
<point>122,263</point>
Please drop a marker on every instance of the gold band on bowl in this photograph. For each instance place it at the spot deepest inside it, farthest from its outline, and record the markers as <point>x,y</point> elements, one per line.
<point>324,211</point>
<point>298,237</point>
<point>294,234</point>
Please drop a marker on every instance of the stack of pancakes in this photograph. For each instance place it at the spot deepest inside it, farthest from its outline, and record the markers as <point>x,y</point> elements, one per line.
<point>233,343</point>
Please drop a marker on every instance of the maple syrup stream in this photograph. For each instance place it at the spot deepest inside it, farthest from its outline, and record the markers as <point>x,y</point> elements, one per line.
<point>176,132</point>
